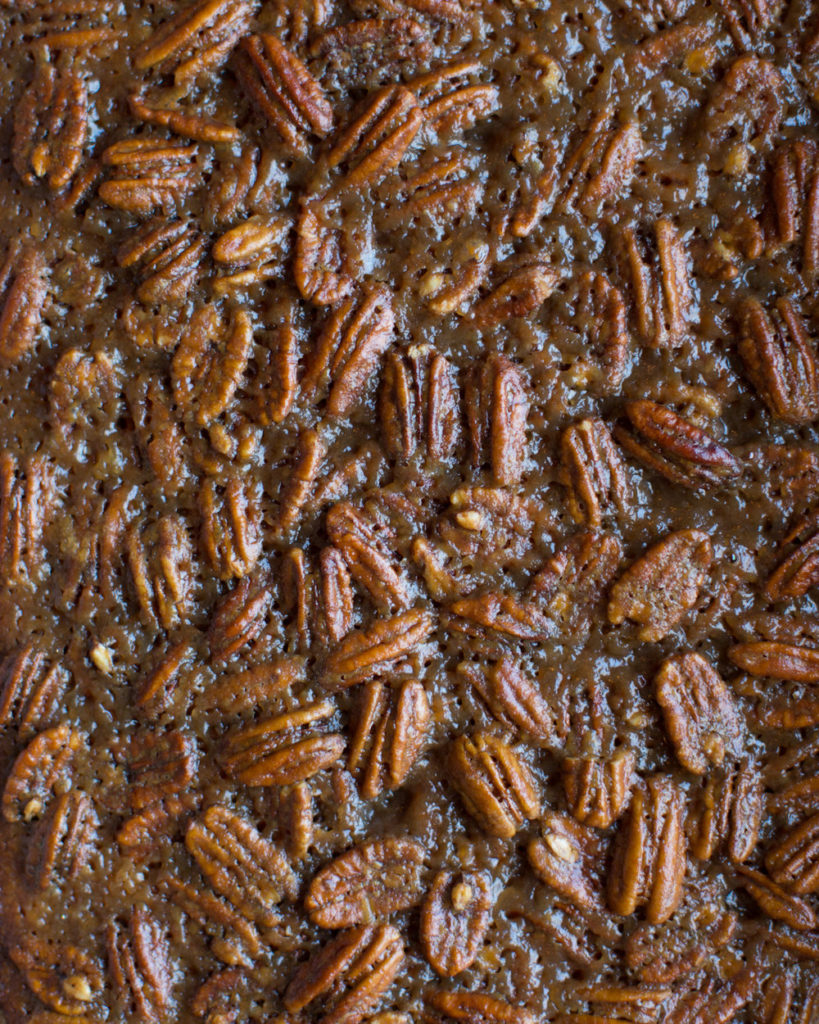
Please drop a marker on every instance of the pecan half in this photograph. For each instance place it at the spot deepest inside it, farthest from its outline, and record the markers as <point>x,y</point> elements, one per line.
<point>794,201</point>
<point>378,648</point>
<point>663,298</point>
<point>236,941</point>
<point>497,788</point>
<point>419,404</point>
<point>39,772</point>
<point>471,1008</point>
<point>188,123</point>
<point>700,715</point>
<point>780,661</point>
<point>50,127</point>
<point>231,535</point>
<point>799,571</point>
<point>286,748</point>
<point>776,902</point>
<point>793,862</point>
<point>140,966</point>
<point>371,880</point>
<point>349,349</point>
<point>748,105</point>
<point>389,735</point>
<point>63,977</point>
<point>593,472</point>
<point>514,698</point>
<point>524,291</point>
<point>349,976</point>
<point>163,586</point>
<point>239,618</point>
<point>780,360</point>
<point>569,859</point>
<point>323,264</point>
<point>727,813</point>
<point>319,598</point>
<point>167,255</point>
<point>455,917</point>
<point>23,291</point>
<point>31,690</point>
<point>659,588</point>
<point>249,871</point>
<point>63,840</point>
<point>377,140</point>
<point>160,765</point>
<point>497,407</point>
<point>28,500</point>
<point>196,41</point>
<point>598,789</point>
<point>284,90</point>
<point>680,451</point>
<point>149,174</point>
<point>649,855</point>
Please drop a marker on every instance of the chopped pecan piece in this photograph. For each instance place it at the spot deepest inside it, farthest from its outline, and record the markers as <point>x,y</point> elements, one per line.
<point>349,349</point>
<point>748,105</point>
<point>50,127</point>
<point>140,966</point>
<point>210,362</point>
<point>167,255</point>
<point>231,536</point>
<point>569,859</point>
<point>794,201</point>
<point>524,291</point>
<point>727,813</point>
<point>514,698</point>
<point>196,41</point>
<point>164,586</point>
<point>23,292</point>
<point>598,789</point>
<point>472,1008</point>
<point>369,881</point>
<point>680,451</point>
<point>659,588</point>
<point>780,661</point>
<point>284,90</point>
<point>30,690</point>
<point>419,404</point>
<point>778,904</point>
<point>63,840</point>
<point>250,872</point>
<point>377,140</point>
<point>780,360</point>
<point>239,618</point>
<point>286,748</point>
<point>389,735</point>
<point>497,788</point>
<point>793,862</point>
<point>663,298</point>
<point>149,174</point>
<point>61,976</point>
<point>455,917</point>
<point>572,584</point>
<point>349,975</point>
<point>379,648</point>
<point>649,854</point>
<point>701,718</point>
<point>41,771</point>
<point>497,407</point>
<point>594,473</point>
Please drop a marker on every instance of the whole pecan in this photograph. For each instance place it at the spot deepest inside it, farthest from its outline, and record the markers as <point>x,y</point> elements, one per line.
<point>649,854</point>
<point>670,445</point>
<point>780,359</point>
<point>369,881</point>
<point>497,788</point>
<point>455,917</point>
<point>659,588</point>
<point>700,714</point>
